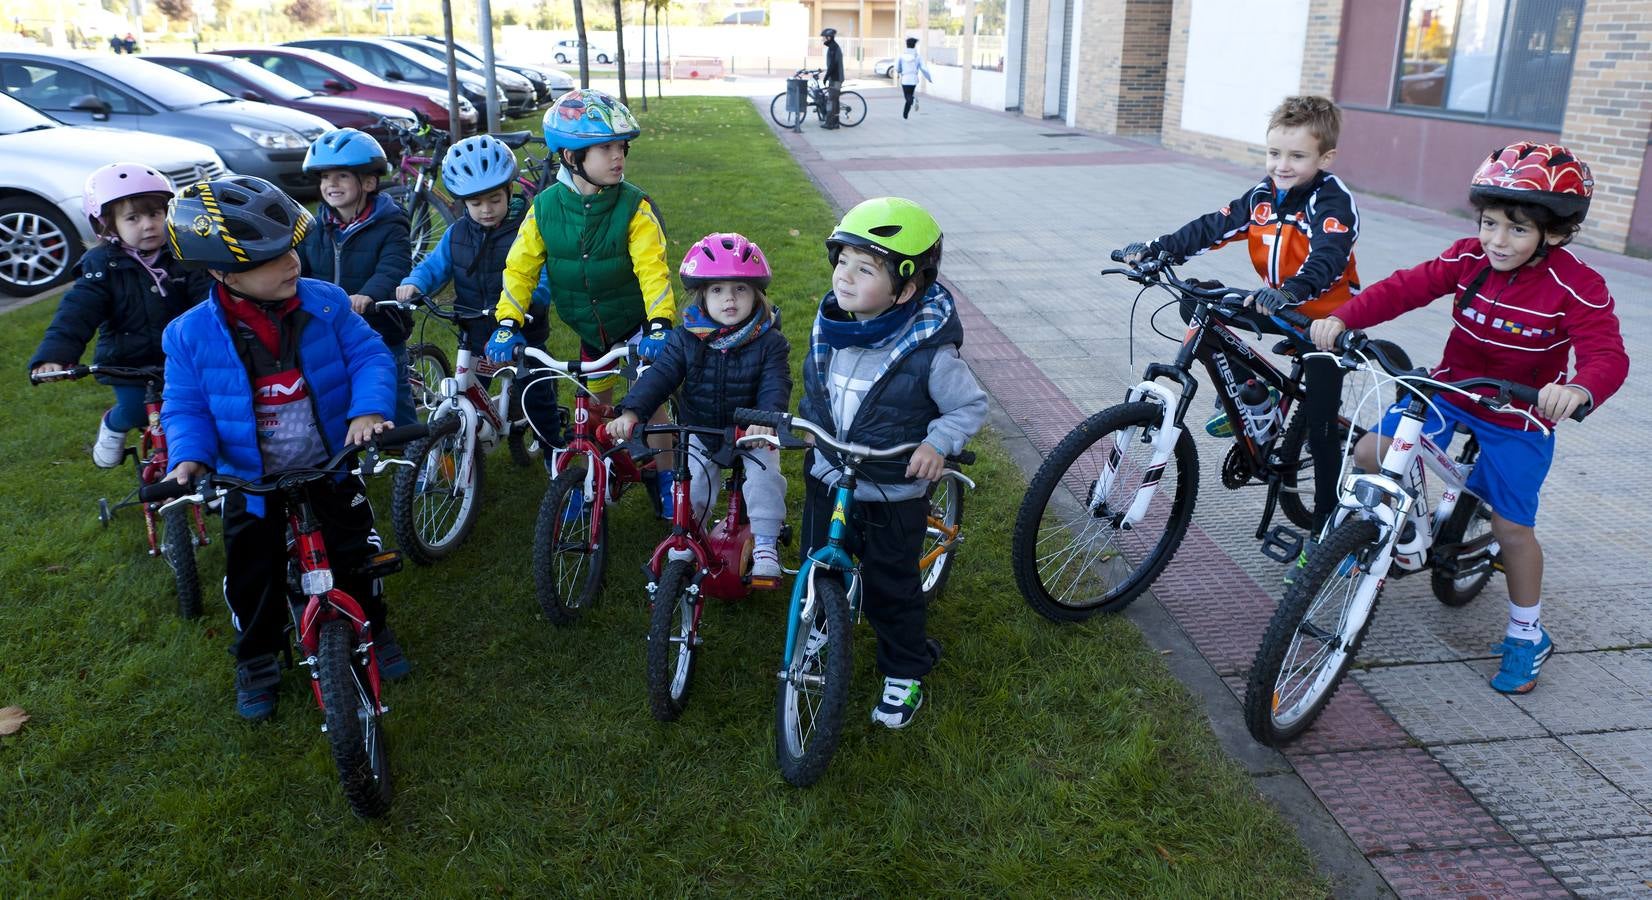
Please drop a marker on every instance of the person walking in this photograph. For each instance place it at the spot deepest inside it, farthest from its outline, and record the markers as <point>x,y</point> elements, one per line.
<point>833,75</point>
<point>908,67</point>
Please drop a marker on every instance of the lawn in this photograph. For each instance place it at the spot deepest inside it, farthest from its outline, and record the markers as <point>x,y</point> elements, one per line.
<point>1048,761</point>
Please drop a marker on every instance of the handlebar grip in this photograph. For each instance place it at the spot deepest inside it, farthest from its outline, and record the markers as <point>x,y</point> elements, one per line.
<point>747,416</point>
<point>1294,318</point>
<point>161,491</point>
<point>1117,256</point>
<point>963,458</point>
<point>402,435</point>
<point>1528,395</point>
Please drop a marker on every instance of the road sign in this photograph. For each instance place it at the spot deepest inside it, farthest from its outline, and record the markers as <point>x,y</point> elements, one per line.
<point>384,6</point>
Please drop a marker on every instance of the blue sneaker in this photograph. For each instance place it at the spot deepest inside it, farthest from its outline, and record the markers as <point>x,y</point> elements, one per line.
<point>668,502</point>
<point>1521,662</point>
<point>574,509</point>
<point>393,664</point>
<point>1218,425</point>
<point>256,681</point>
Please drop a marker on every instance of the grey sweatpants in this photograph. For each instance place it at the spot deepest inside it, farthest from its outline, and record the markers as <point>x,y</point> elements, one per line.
<point>765,489</point>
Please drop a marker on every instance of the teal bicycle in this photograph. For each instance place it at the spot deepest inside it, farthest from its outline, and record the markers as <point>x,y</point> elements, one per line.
<point>816,664</point>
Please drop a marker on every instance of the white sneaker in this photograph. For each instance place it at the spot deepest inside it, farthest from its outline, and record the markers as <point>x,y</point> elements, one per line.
<point>765,561</point>
<point>110,447</point>
<point>901,699</point>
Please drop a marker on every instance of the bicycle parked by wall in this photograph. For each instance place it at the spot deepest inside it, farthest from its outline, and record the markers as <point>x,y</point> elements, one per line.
<point>851,105</point>
<point>1108,508</point>
<point>1385,526</point>
<point>174,535</point>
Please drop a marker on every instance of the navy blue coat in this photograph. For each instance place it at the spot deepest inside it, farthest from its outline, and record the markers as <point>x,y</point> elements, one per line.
<point>369,257</point>
<point>115,299</point>
<point>713,383</point>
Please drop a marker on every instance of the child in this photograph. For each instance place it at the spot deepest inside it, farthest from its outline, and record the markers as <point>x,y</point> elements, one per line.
<point>273,371</point>
<point>1300,224</point>
<point>1523,305</point>
<point>728,353</point>
<point>884,369</point>
<point>908,67</point>
<point>362,245</point>
<point>599,242</point>
<point>129,288</point>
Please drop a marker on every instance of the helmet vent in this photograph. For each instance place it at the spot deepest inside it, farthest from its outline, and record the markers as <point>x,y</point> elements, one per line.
<point>885,230</point>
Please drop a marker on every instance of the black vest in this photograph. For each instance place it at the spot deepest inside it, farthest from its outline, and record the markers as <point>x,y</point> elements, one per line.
<point>477,257</point>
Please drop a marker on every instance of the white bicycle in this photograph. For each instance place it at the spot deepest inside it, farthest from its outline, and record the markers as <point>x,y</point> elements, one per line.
<point>1384,526</point>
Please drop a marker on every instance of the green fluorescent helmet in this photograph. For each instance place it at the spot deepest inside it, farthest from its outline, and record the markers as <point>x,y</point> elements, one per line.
<point>898,231</point>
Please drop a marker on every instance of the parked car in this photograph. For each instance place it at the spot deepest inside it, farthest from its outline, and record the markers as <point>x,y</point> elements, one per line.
<point>337,77</point>
<point>550,83</point>
<point>567,51</point>
<point>137,95</point>
<point>42,227</point>
<point>402,65</point>
<point>520,96</point>
<point>242,79</point>
<point>745,17</point>
<point>884,68</point>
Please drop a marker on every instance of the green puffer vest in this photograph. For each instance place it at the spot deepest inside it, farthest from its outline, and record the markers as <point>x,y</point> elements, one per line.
<point>588,261</point>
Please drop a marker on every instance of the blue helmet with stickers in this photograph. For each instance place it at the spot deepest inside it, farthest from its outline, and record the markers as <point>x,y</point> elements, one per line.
<point>346,148</point>
<point>477,165</point>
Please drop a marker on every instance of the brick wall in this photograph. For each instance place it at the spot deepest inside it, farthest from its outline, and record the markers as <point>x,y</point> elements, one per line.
<point>1120,86</point>
<point>1032,83</point>
<point>1142,64</point>
<point>1319,50</point>
<point>1175,79</point>
<point>1102,36</point>
<point>1609,112</point>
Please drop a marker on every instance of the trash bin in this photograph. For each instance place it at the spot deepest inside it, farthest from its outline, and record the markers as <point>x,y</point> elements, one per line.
<point>797,93</point>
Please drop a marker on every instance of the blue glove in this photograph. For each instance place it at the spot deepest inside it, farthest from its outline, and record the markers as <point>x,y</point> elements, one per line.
<point>1271,300</point>
<point>653,341</point>
<point>505,342</point>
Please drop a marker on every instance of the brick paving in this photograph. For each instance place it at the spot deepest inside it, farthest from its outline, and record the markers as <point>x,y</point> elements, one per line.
<point>1447,788</point>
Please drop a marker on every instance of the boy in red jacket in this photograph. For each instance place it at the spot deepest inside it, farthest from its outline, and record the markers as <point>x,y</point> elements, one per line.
<point>1524,304</point>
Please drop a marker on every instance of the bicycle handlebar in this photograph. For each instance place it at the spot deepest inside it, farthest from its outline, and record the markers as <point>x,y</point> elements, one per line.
<point>140,373</point>
<point>1153,269</point>
<point>783,422</point>
<point>1356,346</point>
<point>272,482</point>
<point>621,353</point>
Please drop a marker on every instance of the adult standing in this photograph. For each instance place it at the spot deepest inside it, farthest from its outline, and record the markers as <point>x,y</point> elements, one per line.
<point>908,67</point>
<point>834,75</point>
<point>116,44</point>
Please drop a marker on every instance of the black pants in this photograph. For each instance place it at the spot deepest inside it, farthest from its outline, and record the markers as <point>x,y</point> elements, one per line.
<point>888,540</point>
<point>255,560</point>
<point>833,89</point>
<point>911,92</point>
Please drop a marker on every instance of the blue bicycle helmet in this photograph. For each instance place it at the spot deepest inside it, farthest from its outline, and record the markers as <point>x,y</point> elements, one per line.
<point>477,165</point>
<point>585,118</point>
<point>346,148</point>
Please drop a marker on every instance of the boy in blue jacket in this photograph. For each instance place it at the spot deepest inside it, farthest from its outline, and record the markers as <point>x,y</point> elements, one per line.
<point>272,372</point>
<point>363,243</point>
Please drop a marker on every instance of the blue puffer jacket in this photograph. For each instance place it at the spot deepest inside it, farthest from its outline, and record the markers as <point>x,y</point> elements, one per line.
<point>207,410</point>
<point>368,256</point>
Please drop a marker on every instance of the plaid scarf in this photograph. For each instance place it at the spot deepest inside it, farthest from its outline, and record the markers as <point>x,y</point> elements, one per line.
<point>932,312</point>
<point>728,337</point>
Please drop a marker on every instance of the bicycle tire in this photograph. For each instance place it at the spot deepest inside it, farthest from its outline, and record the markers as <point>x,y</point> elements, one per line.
<point>428,218</point>
<point>851,109</point>
<point>354,726</point>
<point>781,116</point>
<point>564,595</point>
<point>422,496</point>
<point>802,748</point>
<point>946,508</point>
<point>1468,514</point>
<point>1353,541</point>
<point>178,549</point>
<point>427,367</point>
<point>673,641</point>
<point>1075,466</point>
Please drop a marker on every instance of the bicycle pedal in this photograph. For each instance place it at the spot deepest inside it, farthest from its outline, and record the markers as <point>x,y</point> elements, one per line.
<point>387,562</point>
<point>764,584</point>
<point>1282,544</point>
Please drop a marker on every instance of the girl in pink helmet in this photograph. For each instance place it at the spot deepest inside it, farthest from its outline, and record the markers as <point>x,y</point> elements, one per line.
<point>128,288</point>
<point>728,353</point>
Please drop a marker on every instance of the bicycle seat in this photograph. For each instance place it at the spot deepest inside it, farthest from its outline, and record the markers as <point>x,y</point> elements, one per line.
<point>513,139</point>
<point>1285,347</point>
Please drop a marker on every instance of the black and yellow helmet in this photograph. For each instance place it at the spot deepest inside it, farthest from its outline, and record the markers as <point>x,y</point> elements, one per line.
<point>234,223</point>
<point>901,233</point>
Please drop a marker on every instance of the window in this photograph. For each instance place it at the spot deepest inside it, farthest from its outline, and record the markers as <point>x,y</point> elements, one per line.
<point>54,89</point>
<point>1497,60</point>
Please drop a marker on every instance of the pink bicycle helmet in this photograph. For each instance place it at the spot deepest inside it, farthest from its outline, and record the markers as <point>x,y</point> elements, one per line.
<point>118,181</point>
<point>724,257</point>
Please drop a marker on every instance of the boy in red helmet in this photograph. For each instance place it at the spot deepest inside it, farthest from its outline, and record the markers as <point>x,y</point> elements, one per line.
<point>1524,305</point>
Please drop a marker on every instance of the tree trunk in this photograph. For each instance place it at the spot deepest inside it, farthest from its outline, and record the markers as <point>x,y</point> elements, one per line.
<point>584,52</point>
<point>644,69</point>
<point>619,48</point>
<point>664,7</point>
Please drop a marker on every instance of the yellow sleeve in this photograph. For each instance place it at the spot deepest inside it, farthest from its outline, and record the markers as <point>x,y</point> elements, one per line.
<point>647,243</point>
<point>523,265</point>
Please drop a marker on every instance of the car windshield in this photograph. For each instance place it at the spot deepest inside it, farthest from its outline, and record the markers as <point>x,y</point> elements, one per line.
<point>171,89</point>
<point>17,116</point>
<point>461,59</point>
<point>266,81</point>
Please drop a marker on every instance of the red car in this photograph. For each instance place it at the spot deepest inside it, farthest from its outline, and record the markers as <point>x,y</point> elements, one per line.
<point>243,80</point>
<point>328,74</point>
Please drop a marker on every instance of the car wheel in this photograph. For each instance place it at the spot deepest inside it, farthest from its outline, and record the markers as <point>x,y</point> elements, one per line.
<point>38,246</point>
<point>602,59</point>
<point>562,58</point>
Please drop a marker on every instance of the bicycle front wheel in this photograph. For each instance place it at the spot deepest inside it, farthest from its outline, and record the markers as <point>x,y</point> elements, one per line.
<point>1314,634</point>
<point>354,727</point>
<point>944,534</point>
<point>851,109</point>
<point>427,365</point>
<point>434,504</point>
<point>673,641</point>
<point>178,549</point>
<point>570,552</point>
<point>782,116</point>
<point>1103,517</point>
<point>814,688</point>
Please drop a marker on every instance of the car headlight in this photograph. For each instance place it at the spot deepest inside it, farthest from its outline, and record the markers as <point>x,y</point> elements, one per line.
<point>272,139</point>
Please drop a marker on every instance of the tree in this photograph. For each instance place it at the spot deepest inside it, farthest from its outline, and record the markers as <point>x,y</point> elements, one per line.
<point>584,51</point>
<point>308,12</point>
<point>176,10</point>
<point>224,9</point>
<point>619,47</point>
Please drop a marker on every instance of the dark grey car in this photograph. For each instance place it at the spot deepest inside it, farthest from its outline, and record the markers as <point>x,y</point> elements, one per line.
<point>134,94</point>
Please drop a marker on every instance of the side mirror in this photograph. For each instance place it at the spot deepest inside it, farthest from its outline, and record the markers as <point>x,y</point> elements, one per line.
<point>251,95</point>
<point>333,85</point>
<point>91,103</point>
<point>395,75</point>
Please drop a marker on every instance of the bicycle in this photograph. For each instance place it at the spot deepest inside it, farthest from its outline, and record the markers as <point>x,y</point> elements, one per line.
<point>851,105</point>
<point>693,563</point>
<point>172,536</point>
<point>814,670</point>
<point>1089,537</point>
<point>333,635</point>
<point>1383,526</point>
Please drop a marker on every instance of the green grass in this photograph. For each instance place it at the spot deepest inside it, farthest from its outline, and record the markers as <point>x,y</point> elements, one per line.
<point>1049,761</point>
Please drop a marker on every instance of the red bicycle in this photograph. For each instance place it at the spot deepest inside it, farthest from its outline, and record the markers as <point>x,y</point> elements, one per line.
<point>334,636</point>
<point>172,535</point>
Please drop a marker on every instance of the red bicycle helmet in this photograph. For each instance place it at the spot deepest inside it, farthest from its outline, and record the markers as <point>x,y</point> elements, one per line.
<point>1545,174</point>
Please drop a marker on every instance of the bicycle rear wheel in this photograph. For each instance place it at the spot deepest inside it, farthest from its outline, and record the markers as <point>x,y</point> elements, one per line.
<point>1314,634</point>
<point>1077,549</point>
<point>427,365</point>
<point>673,641</point>
<point>1461,577</point>
<point>943,537</point>
<point>781,116</point>
<point>354,727</point>
<point>428,217</point>
<point>434,504</point>
<point>851,109</point>
<point>814,688</point>
<point>570,550</point>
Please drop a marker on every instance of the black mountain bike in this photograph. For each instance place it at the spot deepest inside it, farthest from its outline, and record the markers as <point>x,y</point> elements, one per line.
<point>851,106</point>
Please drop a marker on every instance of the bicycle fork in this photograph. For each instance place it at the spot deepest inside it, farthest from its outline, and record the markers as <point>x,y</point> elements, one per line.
<point>1164,443</point>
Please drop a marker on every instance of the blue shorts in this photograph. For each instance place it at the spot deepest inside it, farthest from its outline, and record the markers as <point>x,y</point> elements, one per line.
<point>1512,462</point>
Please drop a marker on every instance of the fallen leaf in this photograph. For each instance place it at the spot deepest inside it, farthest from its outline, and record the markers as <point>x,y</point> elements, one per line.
<point>1164,652</point>
<point>55,570</point>
<point>12,719</point>
<point>794,232</point>
<point>1165,854</point>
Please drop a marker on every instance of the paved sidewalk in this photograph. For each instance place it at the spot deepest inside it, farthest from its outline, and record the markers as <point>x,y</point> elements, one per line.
<point>1418,773</point>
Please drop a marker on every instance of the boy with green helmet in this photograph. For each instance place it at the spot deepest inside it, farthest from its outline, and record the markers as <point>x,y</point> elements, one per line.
<point>884,369</point>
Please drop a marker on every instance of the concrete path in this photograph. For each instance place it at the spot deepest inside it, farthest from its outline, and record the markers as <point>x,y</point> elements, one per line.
<point>1419,779</point>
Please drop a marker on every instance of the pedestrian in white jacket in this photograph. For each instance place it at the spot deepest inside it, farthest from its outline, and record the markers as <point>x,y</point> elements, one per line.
<point>908,67</point>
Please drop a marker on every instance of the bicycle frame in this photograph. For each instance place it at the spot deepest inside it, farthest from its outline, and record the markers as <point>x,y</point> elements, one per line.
<point>606,475</point>
<point>486,417</point>
<point>324,602</point>
<point>831,557</point>
<point>719,554</point>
